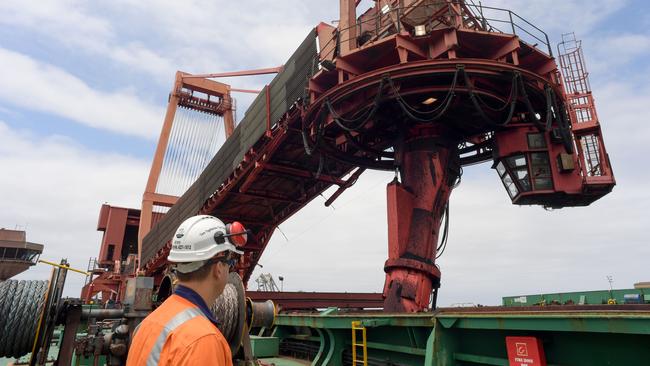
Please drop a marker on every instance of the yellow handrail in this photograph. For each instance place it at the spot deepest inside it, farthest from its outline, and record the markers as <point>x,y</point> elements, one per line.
<point>64,267</point>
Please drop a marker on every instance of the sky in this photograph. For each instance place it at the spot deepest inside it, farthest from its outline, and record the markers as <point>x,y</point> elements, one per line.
<point>83,90</point>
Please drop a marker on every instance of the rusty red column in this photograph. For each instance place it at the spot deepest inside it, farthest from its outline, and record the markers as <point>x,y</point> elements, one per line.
<point>429,168</point>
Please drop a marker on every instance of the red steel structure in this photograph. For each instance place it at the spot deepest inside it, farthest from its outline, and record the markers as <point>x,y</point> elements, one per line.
<point>418,87</point>
<point>117,254</point>
<point>182,95</point>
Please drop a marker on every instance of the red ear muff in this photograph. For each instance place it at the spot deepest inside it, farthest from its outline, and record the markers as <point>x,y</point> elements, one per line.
<point>237,233</point>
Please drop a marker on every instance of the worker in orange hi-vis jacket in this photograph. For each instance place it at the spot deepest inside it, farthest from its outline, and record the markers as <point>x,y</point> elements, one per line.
<point>183,330</point>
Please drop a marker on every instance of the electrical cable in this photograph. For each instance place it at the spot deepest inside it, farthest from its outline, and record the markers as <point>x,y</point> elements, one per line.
<point>459,178</point>
<point>423,116</point>
<point>440,249</point>
<point>321,162</point>
<point>361,120</point>
<point>309,148</point>
<point>550,94</point>
<point>564,125</point>
<point>477,106</point>
<point>514,85</point>
<point>350,139</point>
<point>531,111</point>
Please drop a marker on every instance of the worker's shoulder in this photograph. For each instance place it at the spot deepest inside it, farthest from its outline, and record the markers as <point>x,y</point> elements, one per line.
<point>167,314</point>
<point>198,327</point>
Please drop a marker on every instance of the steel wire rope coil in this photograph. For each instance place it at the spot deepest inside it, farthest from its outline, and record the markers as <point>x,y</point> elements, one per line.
<point>15,324</point>
<point>32,317</point>
<point>22,304</point>
<point>4,286</point>
<point>11,314</point>
<point>5,291</point>
<point>229,310</point>
<point>32,309</point>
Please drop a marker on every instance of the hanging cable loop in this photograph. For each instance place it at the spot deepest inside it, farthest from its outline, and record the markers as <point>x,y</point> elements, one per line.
<point>473,97</point>
<point>537,121</point>
<point>445,234</point>
<point>358,122</point>
<point>514,91</point>
<point>309,147</point>
<point>550,95</point>
<point>321,163</point>
<point>426,116</point>
<point>564,124</point>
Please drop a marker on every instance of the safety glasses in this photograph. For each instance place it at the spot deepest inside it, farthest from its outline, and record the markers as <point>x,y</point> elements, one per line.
<point>231,262</point>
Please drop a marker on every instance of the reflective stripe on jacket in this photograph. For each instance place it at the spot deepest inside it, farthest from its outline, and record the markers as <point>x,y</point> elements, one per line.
<point>178,333</point>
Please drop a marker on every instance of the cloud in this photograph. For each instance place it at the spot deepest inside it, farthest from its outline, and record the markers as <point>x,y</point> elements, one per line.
<point>557,17</point>
<point>81,28</point>
<point>55,188</point>
<point>622,110</point>
<point>66,20</point>
<point>219,29</point>
<point>195,36</point>
<point>38,86</point>
<point>612,51</point>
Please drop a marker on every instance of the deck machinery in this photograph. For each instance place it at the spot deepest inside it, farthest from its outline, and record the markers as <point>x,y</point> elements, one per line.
<point>421,88</point>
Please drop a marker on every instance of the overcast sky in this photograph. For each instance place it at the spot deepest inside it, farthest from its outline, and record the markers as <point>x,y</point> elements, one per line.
<point>84,85</point>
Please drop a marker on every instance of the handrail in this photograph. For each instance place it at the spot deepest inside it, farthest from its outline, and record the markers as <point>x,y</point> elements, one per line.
<point>515,21</point>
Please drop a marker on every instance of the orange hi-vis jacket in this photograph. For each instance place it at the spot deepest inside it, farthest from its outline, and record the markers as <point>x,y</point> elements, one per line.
<point>178,333</point>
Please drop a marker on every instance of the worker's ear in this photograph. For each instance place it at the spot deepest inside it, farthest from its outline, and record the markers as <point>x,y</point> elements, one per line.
<point>216,273</point>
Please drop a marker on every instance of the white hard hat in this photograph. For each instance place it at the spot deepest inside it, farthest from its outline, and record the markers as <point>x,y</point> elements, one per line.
<point>198,239</point>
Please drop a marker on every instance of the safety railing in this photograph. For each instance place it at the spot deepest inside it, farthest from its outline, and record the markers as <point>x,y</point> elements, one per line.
<point>432,15</point>
<point>511,22</point>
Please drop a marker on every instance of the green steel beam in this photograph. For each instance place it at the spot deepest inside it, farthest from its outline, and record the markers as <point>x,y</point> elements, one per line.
<point>345,321</point>
<point>599,323</point>
<point>579,338</point>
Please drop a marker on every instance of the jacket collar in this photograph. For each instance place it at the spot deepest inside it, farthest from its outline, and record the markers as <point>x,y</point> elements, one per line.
<point>196,299</point>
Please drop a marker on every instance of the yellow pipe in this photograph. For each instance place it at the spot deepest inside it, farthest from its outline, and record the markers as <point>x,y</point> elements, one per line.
<point>64,267</point>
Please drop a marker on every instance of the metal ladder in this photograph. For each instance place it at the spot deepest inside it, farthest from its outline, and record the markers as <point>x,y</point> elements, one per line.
<point>91,266</point>
<point>358,326</point>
